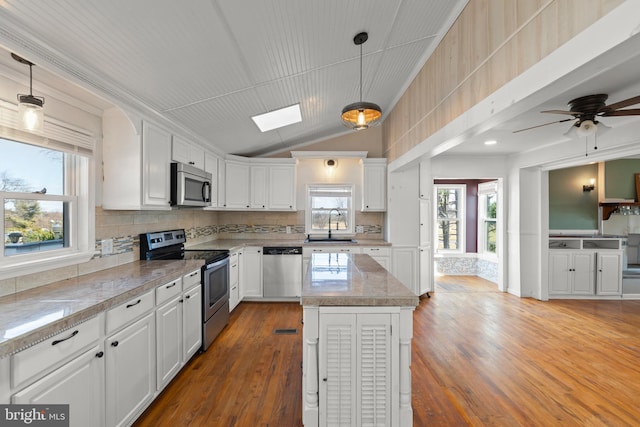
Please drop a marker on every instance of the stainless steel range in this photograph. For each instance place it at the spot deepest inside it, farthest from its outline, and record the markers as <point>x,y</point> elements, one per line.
<point>215,276</point>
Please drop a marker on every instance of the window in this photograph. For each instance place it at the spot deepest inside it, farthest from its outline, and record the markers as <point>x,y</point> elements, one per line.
<point>330,207</point>
<point>487,217</point>
<point>449,217</point>
<point>46,192</point>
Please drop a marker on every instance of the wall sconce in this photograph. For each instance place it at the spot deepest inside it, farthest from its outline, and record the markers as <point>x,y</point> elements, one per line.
<point>330,163</point>
<point>591,186</point>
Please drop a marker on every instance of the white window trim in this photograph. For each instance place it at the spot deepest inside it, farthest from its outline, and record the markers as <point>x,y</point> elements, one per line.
<point>350,231</point>
<point>462,217</point>
<point>484,189</point>
<point>80,180</point>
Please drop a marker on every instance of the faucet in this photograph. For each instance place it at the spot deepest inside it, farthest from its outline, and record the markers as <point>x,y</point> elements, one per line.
<point>339,214</point>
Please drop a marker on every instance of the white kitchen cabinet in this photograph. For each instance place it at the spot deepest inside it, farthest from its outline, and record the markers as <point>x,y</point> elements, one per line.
<point>308,250</point>
<point>425,189</point>
<point>282,187</point>
<point>425,223</point>
<point>381,254</point>
<point>425,282</point>
<point>609,274</point>
<point>404,266</point>
<point>78,383</point>
<point>191,321</point>
<point>374,185</point>
<point>571,272</point>
<point>258,187</point>
<point>168,340</point>
<point>136,159</point>
<point>237,184</point>
<point>130,371</point>
<point>187,152</point>
<point>211,166</point>
<point>234,279</point>
<point>251,283</point>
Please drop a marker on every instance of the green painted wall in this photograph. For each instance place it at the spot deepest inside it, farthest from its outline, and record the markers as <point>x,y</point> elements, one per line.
<point>570,208</point>
<point>619,180</point>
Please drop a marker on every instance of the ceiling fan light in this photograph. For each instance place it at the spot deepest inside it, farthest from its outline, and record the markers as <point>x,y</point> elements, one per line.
<point>587,128</point>
<point>30,112</point>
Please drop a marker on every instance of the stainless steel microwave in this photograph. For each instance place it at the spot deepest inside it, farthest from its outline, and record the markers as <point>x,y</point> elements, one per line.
<point>190,186</point>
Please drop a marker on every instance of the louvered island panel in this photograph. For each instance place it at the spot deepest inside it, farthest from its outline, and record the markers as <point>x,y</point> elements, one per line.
<point>374,381</point>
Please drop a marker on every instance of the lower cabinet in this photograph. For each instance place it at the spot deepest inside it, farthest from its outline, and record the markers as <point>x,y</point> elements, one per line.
<point>251,283</point>
<point>168,341</point>
<point>585,272</point>
<point>609,274</point>
<point>404,266</point>
<point>130,371</point>
<point>380,254</point>
<point>79,383</point>
<point>235,266</point>
<point>191,322</point>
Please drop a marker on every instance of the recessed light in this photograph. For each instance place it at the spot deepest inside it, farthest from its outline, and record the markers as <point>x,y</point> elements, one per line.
<point>490,142</point>
<point>278,118</point>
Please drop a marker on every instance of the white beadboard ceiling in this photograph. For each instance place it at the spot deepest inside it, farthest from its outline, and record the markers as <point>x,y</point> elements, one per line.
<point>207,66</point>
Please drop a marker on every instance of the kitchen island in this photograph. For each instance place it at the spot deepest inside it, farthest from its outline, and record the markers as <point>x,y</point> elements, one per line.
<point>358,326</point>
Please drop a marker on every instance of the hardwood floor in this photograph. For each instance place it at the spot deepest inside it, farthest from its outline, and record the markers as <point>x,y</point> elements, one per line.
<point>480,357</point>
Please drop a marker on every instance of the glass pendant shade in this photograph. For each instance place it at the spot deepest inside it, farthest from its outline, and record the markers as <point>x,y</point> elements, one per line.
<point>30,113</point>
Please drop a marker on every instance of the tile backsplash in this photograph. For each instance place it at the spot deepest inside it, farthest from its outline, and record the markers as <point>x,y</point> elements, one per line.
<point>125,227</point>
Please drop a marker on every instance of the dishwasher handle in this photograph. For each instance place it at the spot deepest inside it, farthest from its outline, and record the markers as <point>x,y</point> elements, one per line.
<point>282,250</point>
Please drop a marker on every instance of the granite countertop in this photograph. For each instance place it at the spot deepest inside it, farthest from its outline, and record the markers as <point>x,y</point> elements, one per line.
<point>352,280</point>
<point>234,244</point>
<point>33,315</point>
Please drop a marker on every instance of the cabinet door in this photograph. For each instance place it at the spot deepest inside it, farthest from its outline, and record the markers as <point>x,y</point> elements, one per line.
<point>583,280</point>
<point>168,341</point>
<point>425,223</point>
<point>191,322</point>
<point>130,371</point>
<point>234,279</point>
<point>237,186</point>
<point>211,166</point>
<point>251,284</point>
<point>156,159</point>
<point>79,383</point>
<point>282,187</point>
<point>374,188</point>
<point>560,273</point>
<point>258,187</point>
<point>404,265</point>
<point>426,271</point>
<point>609,274</point>
<point>180,150</point>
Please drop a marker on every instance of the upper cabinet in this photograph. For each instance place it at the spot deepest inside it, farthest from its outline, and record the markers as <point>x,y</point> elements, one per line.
<point>374,185</point>
<point>136,158</point>
<point>260,184</point>
<point>186,152</point>
<point>211,163</point>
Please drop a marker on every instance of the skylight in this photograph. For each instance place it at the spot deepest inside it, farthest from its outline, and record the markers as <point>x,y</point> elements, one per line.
<point>278,118</point>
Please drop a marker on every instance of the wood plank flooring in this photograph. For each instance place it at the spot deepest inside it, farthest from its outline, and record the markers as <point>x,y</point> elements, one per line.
<point>480,357</point>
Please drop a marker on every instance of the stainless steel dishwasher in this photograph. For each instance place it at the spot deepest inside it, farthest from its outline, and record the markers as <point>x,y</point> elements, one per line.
<point>282,271</point>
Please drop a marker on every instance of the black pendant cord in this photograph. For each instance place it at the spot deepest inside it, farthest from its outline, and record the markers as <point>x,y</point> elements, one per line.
<point>586,146</point>
<point>361,71</point>
<point>30,79</point>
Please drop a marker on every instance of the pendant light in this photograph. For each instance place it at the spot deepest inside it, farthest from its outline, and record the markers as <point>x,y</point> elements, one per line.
<point>360,115</point>
<point>30,111</point>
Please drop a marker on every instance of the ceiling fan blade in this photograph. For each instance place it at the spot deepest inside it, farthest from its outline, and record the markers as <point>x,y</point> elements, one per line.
<point>629,112</point>
<point>627,102</point>
<point>571,113</point>
<point>545,124</point>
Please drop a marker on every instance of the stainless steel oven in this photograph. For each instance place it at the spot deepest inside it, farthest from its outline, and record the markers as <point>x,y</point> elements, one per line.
<point>215,276</point>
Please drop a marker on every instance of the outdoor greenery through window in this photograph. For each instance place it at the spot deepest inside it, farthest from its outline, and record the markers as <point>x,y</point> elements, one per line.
<point>449,216</point>
<point>35,207</point>
<point>330,207</point>
<point>488,218</point>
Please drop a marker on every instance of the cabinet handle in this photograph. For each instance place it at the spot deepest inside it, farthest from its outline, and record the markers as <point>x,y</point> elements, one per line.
<point>114,344</point>
<point>259,251</point>
<point>195,273</point>
<point>181,300</point>
<point>73,334</point>
<point>171,285</point>
<point>324,379</point>
<point>367,206</point>
<point>187,296</point>
<point>192,163</point>
<point>135,303</point>
<point>99,354</point>
<point>374,249</point>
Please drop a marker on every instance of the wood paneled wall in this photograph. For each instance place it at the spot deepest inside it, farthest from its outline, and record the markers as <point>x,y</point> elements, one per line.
<point>491,42</point>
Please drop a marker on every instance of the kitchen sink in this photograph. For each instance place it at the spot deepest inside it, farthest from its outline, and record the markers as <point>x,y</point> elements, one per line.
<point>328,240</point>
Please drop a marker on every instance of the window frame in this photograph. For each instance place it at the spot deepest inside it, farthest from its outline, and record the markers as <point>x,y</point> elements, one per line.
<point>79,189</point>
<point>484,190</point>
<point>350,230</point>
<point>460,218</point>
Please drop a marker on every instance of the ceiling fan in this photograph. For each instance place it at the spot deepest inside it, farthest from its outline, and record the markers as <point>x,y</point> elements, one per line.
<point>586,109</point>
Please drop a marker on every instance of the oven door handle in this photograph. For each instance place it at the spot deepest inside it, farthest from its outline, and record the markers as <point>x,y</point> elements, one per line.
<point>218,263</point>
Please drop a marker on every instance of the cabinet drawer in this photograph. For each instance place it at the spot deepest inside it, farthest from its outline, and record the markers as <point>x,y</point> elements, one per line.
<point>191,279</point>
<point>168,290</point>
<point>376,251</point>
<point>330,249</point>
<point>130,310</point>
<point>62,346</point>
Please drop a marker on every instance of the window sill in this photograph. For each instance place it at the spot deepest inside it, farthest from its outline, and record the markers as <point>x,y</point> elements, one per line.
<point>36,266</point>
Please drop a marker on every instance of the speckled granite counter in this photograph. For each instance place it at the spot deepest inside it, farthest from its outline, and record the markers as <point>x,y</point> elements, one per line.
<point>352,280</point>
<point>30,316</point>
<point>233,244</point>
